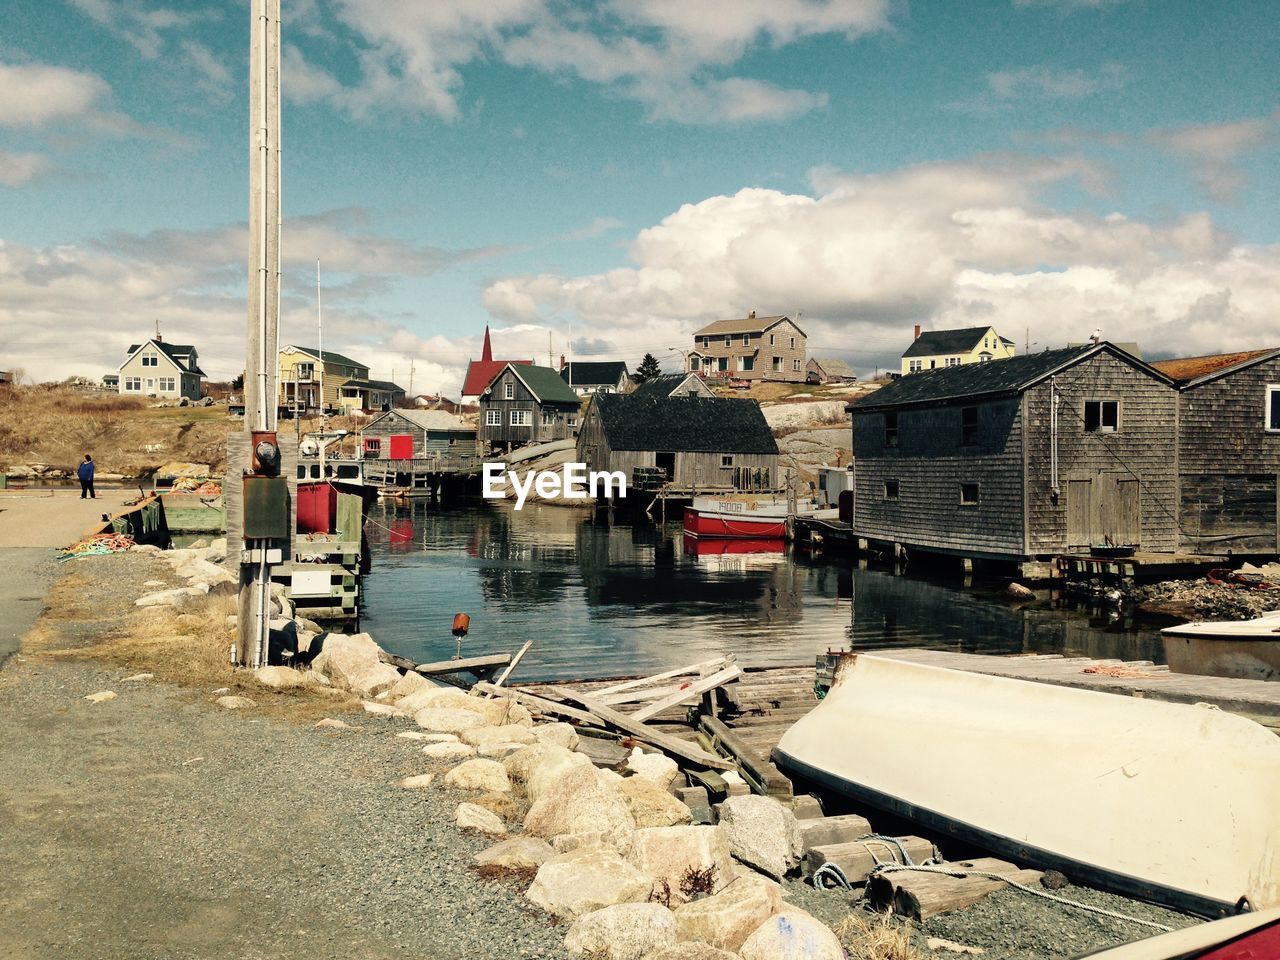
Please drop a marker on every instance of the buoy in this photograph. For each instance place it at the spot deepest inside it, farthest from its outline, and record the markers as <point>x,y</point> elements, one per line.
<point>461,624</point>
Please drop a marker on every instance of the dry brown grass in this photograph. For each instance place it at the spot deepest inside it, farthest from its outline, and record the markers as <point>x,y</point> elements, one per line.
<point>875,938</point>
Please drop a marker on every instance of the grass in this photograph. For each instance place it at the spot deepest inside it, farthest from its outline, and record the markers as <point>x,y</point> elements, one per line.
<point>875,938</point>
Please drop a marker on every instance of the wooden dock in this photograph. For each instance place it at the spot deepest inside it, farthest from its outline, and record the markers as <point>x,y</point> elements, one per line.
<point>420,477</point>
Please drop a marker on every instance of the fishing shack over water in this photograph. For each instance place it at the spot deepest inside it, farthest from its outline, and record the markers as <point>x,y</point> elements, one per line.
<point>417,434</point>
<point>526,404</point>
<point>1021,460</point>
<point>693,443</point>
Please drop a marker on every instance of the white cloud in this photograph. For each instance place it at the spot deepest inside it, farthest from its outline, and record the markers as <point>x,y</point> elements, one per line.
<point>1047,82</point>
<point>143,29</point>
<point>214,79</point>
<point>942,244</point>
<point>1212,149</point>
<point>17,169</point>
<point>670,57</point>
<point>596,228</point>
<point>36,95</point>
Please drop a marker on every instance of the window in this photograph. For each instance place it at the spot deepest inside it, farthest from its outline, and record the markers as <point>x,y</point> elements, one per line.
<point>706,342</point>
<point>915,366</point>
<point>891,429</point>
<point>748,363</point>
<point>150,360</point>
<point>572,419</point>
<point>968,494</point>
<point>891,489</point>
<point>726,460</point>
<point>722,364</point>
<point>1101,416</point>
<point>303,371</point>
<point>793,343</point>
<point>521,418</point>
<point>1273,408</point>
<point>728,340</point>
<point>968,426</point>
<point>953,361</point>
<point>509,391</point>
<point>933,364</point>
<point>795,366</point>
<point>777,364</point>
<point>985,344</point>
<point>746,339</point>
<point>167,383</point>
<point>548,417</point>
<point>132,384</point>
<point>984,357</point>
<point>493,418</point>
<point>771,339</point>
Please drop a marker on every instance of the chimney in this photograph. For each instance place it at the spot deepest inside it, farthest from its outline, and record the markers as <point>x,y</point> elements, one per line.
<point>159,339</point>
<point>751,315</point>
<point>562,361</point>
<point>917,336</point>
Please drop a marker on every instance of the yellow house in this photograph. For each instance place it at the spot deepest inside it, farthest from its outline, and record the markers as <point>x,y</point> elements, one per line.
<point>300,378</point>
<point>952,348</point>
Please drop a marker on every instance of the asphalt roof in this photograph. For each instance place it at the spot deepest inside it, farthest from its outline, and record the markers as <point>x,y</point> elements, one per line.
<point>330,357</point>
<point>593,373</point>
<point>684,424</point>
<point>375,385</point>
<point>661,385</point>
<point>931,343</point>
<point>834,367</point>
<point>179,353</point>
<point>977,379</point>
<point>429,420</point>
<point>545,384</point>
<point>1186,369</point>
<point>743,325</point>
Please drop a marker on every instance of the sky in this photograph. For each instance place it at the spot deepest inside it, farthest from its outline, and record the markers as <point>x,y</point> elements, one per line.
<point>601,179</point>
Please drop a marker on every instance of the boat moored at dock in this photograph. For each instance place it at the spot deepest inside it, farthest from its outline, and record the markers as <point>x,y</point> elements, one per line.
<point>745,516</point>
<point>1247,649</point>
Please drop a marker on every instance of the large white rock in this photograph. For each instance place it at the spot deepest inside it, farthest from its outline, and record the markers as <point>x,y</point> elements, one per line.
<point>578,802</point>
<point>410,682</point>
<point>431,697</point>
<point>551,759</point>
<point>200,569</point>
<point>553,767</point>
<point>518,853</point>
<point>178,597</point>
<point>763,833</point>
<point>499,751</point>
<point>669,854</point>
<point>279,678</point>
<point>652,805</point>
<point>625,931</point>
<point>471,816</point>
<point>449,750</point>
<point>479,774</point>
<point>726,919</point>
<point>692,951</point>
<point>230,702</point>
<point>443,720</point>
<point>353,663</point>
<point>792,935</point>
<point>481,736</point>
<point>587,880</point>
<point>653,766</point>
<point>561,734</point>
<point>418,782</point>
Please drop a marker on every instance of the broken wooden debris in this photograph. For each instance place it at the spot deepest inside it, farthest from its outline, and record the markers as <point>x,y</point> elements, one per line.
<point>824,831</point>
<point>483,667</point>
<point>921,894</point>
<point>757,769</point>
<point>689,691</point>
<point>857,858</point>
<point>541,705</point>
<point>502,678</point>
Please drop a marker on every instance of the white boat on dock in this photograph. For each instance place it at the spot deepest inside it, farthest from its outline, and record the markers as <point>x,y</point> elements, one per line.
<point>1248,649</point>
<point>1171,803</point>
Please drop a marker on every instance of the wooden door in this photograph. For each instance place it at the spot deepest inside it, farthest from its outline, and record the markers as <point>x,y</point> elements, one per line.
<point>1079,513</point>
<point>1120,511</point>
<point>667,462</point>
<point>401,446</point>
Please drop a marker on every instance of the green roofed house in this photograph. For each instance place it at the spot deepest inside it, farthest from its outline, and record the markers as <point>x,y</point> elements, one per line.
<point>527,404</point>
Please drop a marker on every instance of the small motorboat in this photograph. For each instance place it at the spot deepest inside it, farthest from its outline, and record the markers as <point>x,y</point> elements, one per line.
<point>1172,803</point>
<point>1245,649</point>
<point>746,516</point>
<point>1232,938</point>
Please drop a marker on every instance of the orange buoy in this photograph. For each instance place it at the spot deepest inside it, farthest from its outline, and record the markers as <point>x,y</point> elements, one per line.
<point>461,624</point>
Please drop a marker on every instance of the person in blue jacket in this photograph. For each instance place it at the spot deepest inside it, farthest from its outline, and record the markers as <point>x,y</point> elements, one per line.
<point>85,473</point>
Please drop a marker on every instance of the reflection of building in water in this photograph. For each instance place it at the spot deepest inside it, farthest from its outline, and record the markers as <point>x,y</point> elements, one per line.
<point>1078,634</point>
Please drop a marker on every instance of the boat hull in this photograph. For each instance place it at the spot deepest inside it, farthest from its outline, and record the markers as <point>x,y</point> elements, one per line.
<point>1245,649</point>
<point>1171,803</point>
<point>733,526</point>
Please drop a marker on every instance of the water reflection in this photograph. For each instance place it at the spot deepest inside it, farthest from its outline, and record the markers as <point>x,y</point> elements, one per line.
<point>602,600</point>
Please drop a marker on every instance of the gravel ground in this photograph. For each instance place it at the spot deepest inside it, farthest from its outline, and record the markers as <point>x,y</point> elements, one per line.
<point>159,825</point>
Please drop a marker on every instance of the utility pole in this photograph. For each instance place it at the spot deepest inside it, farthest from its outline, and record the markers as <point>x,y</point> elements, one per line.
<point>410,378</point>
<point>265,528</point>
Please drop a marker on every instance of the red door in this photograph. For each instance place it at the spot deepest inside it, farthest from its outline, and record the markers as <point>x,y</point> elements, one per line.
<point>401,446</point>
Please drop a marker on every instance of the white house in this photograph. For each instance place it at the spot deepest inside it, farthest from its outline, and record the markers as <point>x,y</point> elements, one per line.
<point>159,369</point>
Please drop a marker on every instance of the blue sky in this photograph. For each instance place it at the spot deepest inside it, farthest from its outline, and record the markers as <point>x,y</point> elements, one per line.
<point>614,175</point>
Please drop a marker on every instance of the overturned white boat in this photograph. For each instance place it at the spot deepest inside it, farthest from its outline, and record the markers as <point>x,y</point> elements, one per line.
<point>1247,649</point>
<point>1171,803</point>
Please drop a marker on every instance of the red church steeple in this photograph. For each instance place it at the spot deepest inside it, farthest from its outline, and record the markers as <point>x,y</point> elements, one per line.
<point>486,355</point>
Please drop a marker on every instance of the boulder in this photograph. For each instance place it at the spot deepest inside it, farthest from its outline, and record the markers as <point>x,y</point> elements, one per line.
<point>499,751</point>
<point>543,756</point>
<point>354,663</point>
<point>102,696</point>
<point>651,804</point>
<point>479,774</point>
<point>762,833</point>
<point>553,767</point>
<point>671,855</point>
<point>569,842</point>
<point>179,596</point>
<point>425,698</point>
<point>469,816</point>
<point>201,570</point>
<point>561,734</point>
<point>328,723</point>
<point>692,951</point>
<point>653,766</point>
<point>625,931</point>
<point>792,935</point>
<point>442,720</point>
<point>381,709</point>
<point>418,782</point>
<point>217,551</point>
<point>1017,591</point>
<point>578,802</point>
<point>518,853</point>
<point>726,919</point>
<point>448,750</point>
<point>480,736</point>
<point>409,683</point>
<point>427,737</point>
<point>587,880</point>
<point>234,703</point>
<point>279,678</point>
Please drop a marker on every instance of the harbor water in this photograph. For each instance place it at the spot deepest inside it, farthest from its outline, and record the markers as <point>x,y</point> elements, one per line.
<point>601,600</point>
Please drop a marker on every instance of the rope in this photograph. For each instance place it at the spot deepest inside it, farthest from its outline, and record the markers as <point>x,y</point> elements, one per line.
<point>98,545</point>
<point>952,872</point>
<point>834,872</point>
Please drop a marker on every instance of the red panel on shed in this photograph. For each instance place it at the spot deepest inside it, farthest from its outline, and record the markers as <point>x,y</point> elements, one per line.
<point>401,446</point>
<point>317,506</point>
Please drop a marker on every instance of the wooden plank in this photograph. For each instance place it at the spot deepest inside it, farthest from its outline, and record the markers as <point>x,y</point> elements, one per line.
<point>755,765</point>
<point>468,664</point>
<point>637,694</point>
<point>920,895</point>
<point>857,858</point>
<point>672,746</point>
<point>512,665</point>
<point>681,671</point>
<point>691,692</point>
<point>541,704</point>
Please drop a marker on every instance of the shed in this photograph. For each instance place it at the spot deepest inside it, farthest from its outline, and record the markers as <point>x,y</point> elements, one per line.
<point>674,385</point>
<point>410,434</point>
<point>696,442</point>
<point>1023,459</point>
<point>527,404</point>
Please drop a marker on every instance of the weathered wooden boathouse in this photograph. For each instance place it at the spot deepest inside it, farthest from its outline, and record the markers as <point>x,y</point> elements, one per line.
<point>526,404</point>
<point>1228,451</point>
<point>690,443</point>
<point>417,434</point>
<point>1021,460</point>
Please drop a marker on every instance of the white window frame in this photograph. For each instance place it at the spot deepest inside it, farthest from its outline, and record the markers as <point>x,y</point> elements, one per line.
<point>722,364</point>
<point>728,340</point>
<point>747,364</point>
<point>1268,426</point>
<point>150,360</point>
<point>133,384</point>
<point>571,419</point>
<point>508,391</point>
<point>1101,427</point>
<point>777,365</point>
<point>953,361</point>
<point>493,418</point>
<point>168,383</point>
<point>915,366</point>
<point>548,417</point>
<point>793,343</point>
<point>726,460</point>
<point>795,366</point>
<point>521,418</point>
